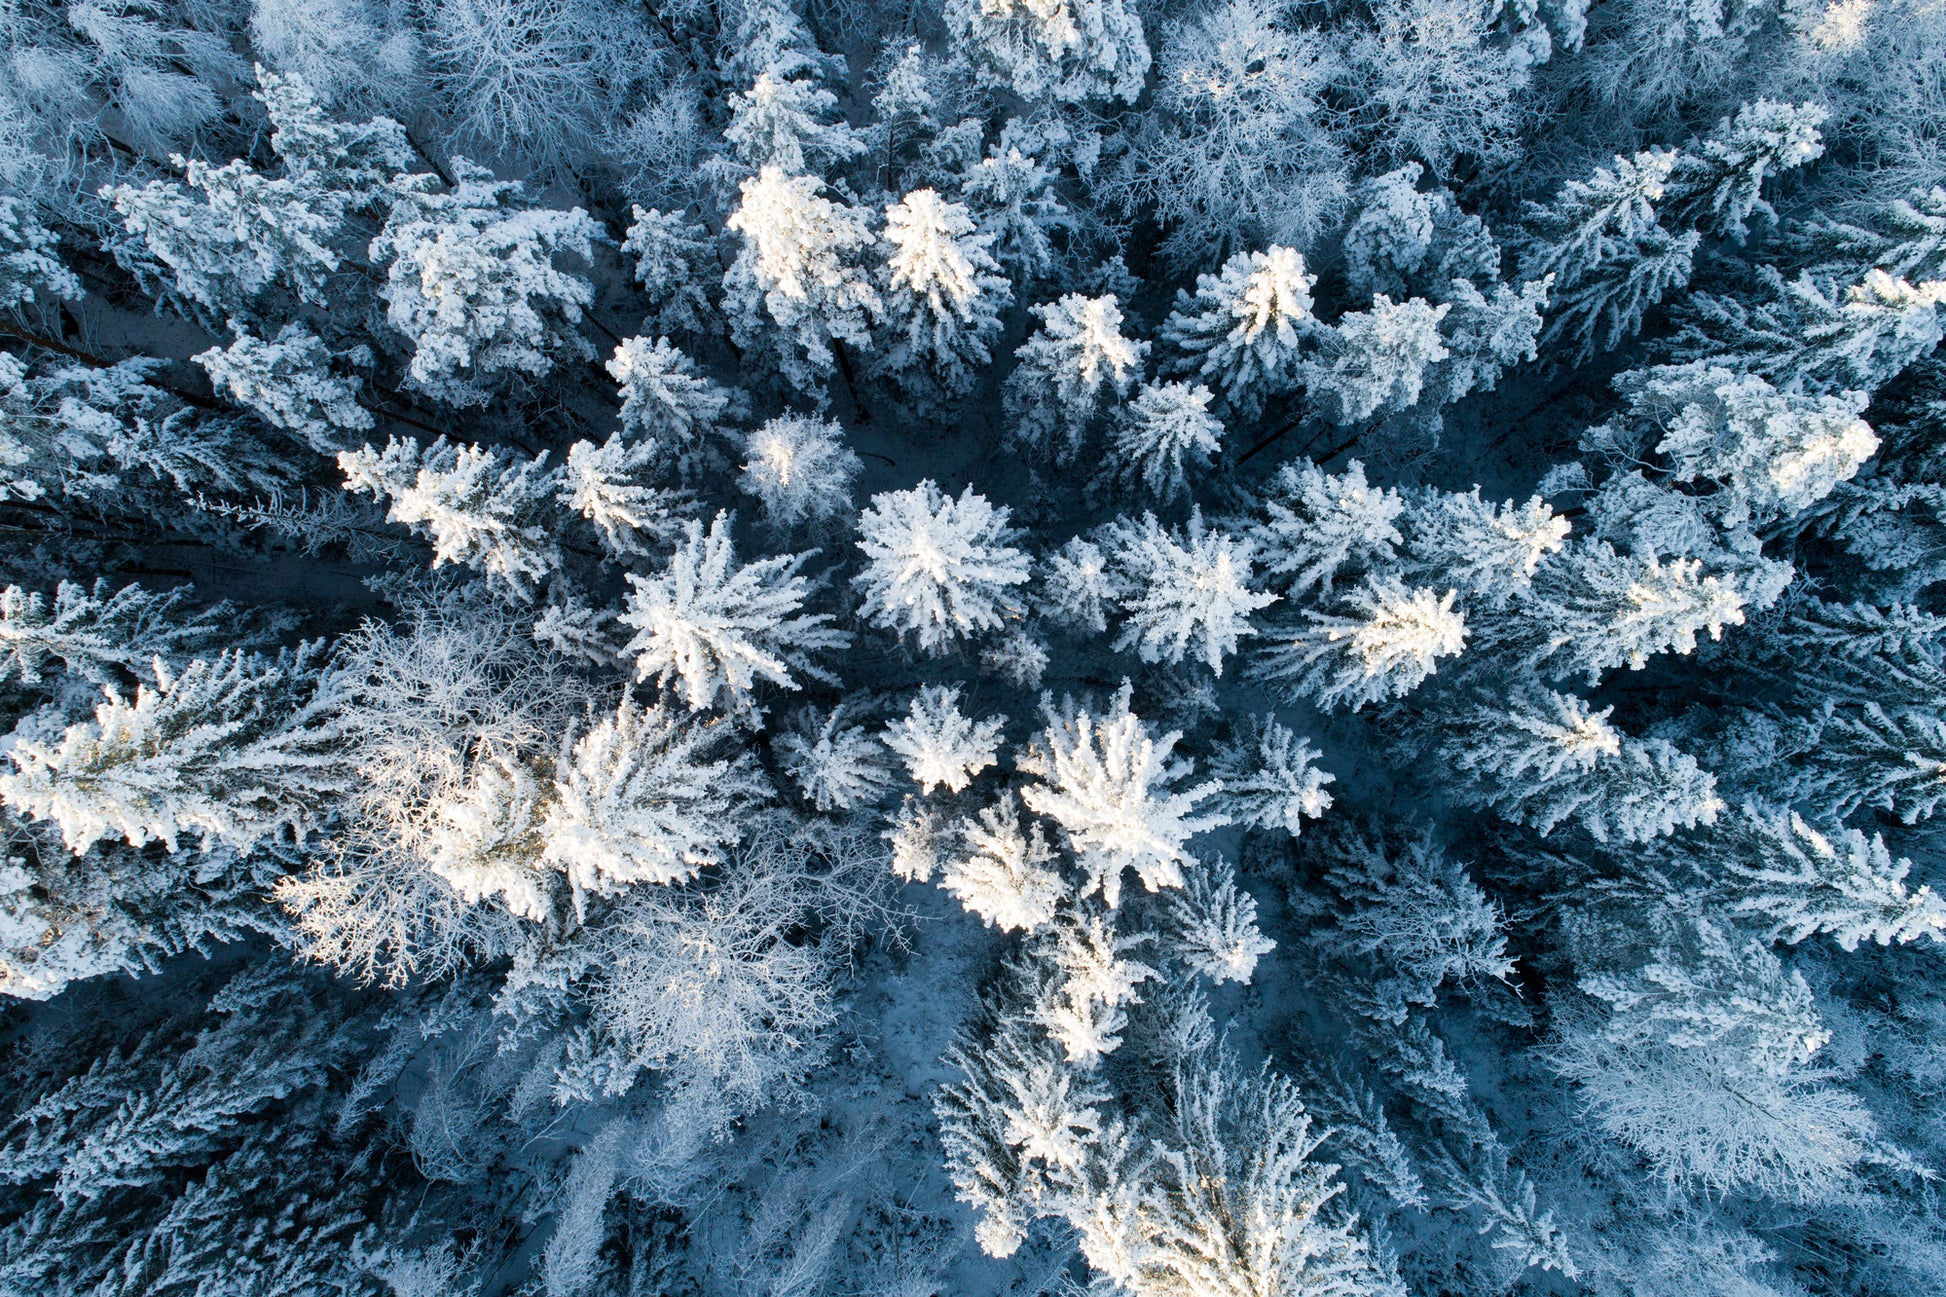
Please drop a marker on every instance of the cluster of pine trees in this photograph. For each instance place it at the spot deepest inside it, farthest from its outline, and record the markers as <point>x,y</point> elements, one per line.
<point>782,648</point>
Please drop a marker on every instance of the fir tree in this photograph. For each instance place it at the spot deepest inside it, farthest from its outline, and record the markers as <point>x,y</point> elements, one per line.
<point>1195,589</point>
<point>1004,871</point>
<point>1162,426</point>
<point>236,750</point>
<point>1384,644</point>
<point>800,470</point>
<point>941,747</point>
<point>1244,327</point>
<point>939,568</point>
<point>1118,794</point>
<point>799,265</point>
<point>663,396</point>
<point>486,509</point>
<point>1545,758</point>
<point>719,628</point>
<point>645,797</point>
<point>289,384</point>
<point>1269,777</point>
<point>1065,371</point>
<point>945,292</point>
<point>473,283</point>
<point>835,764</point>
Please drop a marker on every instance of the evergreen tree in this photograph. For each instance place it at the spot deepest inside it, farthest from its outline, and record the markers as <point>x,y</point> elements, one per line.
<point>719,627</point>
<point>289,384</point>
<point>799,264</point>
<point>1196,589</point>
<point>1317,525</point>
<point>1244,327</point>
<point>941,747</point>
<point>1270,778</point>
<point>1118,794</point>
<point>663,396</point>
<point>939,568</point>
<point>672,262</point>
<point>237,751</point>
<point>945,292</point>
<point>102,633</point>
<point>473,281</point>
<point>1545,758</point>
<point>1383,644</point>
<point>486,509</point>
<point>1005,871</point>
<point>645,797</point>
<point>1377,360</point>
<point>1065,370</point>
<point>1165,423</point>
<point>800,469</point>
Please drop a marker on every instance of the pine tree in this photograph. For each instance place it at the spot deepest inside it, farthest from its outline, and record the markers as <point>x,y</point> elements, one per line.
<point>1213,925</point>
<point>100,634</point>
<point>1083,1005</point>
<point>783,121</point>
<point>1817,334</point>
<point>486,509</point>
<point>937,567</point>
<point>1244,326</point>
<point>1544,758</point>
<point>1378,360</point>
<point>799,263</point>
<point>605,485</point>
<point>1414,909</point>
<point>942,748</point>
<point>663,397</point>
<point>237,751</point>
<point>474,285</point>
<point>1383,644</point>
<point>945,292</point>
<point>1194,588</point>
<point>1066,369</point>
<point>719,628</point>
<point>1163,425</point>
<point>1889,760</point>
<point>1269,777</point>
<point>1118,794</point>
<point>1803,882</point>
<point>1609,257</point>
<point>800,470</point>
<point>1392,234</point>
<point>673,259</point>
<point>837,765</point>
<point>1771,454</point>
<point>646,797</point>
<point>1485,335</point>
<point>485,840</point>
<point>1004,871</point>
<point>1067,50</point>
<point>290,385</point>
<point>1316,525</point>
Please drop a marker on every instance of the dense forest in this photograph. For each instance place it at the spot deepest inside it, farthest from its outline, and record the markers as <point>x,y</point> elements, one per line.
<point>890,648</point>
